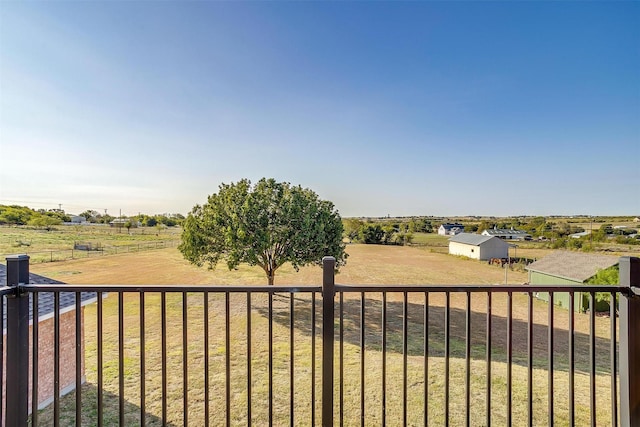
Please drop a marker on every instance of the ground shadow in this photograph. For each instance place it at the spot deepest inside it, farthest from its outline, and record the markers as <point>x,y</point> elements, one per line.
<point>436,332</point>
<point>111,414</point>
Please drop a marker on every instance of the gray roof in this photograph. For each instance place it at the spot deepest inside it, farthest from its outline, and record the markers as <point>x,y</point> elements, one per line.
<point>448,226</point>
<point>45,299</point>
<point>471,239</point>
<point>572,265</point>
<point>506,232</point>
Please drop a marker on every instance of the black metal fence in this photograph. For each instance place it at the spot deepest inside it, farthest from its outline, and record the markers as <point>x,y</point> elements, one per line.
<point>374,355</point>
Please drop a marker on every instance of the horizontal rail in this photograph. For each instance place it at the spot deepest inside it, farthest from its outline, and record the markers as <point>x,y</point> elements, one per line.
<point>312,288</point>
<point>169,288</point>
<point>481,288</point>
<point>6,290</point>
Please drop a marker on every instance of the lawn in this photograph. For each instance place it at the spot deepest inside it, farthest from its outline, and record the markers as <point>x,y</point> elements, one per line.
<point>366,265</point>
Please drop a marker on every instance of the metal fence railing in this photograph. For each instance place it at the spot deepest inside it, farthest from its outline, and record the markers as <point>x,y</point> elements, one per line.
<point>282,355</point>
<point>53,255</point>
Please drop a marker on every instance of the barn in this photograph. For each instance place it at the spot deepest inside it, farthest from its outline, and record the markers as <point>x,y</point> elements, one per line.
<point>46,339</point>
<point>569,268</point>
<point>477,246</point>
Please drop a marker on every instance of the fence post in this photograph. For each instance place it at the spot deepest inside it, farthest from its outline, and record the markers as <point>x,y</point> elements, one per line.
<point>17,396</point>
<point>328,293</point>
<point>630,342</point>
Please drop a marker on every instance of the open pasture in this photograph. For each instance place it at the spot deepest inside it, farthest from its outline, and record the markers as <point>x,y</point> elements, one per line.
<point>366,265</point>
<point>58,243</point>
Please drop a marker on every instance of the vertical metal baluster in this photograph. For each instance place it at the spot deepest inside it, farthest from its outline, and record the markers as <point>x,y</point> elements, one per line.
<point>185,357</point>
<point>614,385</point>
<point>467,380</point>
<point>2,361</point>
<point>206,358</point>
<point>227,339</point>
<point>56,359</point>
<point>143,389</point>
<point>362,343</point>
<point>550,358</point>
<point>291,359</point>
<point>100,361</point>
<point>530,358</point>
<point>341,359</point>
<point>78,359</point>
<point>509,357</point>
<point>121,401</point>
<point>384,358</point>
<point>35,359</point>
<point>313,358</point>
<point>270,333</point>
<point>249,358</point>
<point>163,314</point>
<point>592,356</point>
<point>488,392</point>
<point>426,359</point>
<point>447,319</point>
<point>572,360</point>
<point>405,348</point>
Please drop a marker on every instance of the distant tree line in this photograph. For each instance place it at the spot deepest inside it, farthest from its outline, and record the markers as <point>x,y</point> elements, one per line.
<point>41,218</point>
<point>384,232</point>
<point>556,231</point>
<point>46,219</point>
<point>169,220</point>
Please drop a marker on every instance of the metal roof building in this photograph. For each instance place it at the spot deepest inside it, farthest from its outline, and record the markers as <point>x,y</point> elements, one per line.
<point>507,233</point>
<point>569,268</point>
<point>477,246</point>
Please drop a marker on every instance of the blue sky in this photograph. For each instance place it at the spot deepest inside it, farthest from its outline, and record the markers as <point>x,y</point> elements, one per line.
<point>400,108</point>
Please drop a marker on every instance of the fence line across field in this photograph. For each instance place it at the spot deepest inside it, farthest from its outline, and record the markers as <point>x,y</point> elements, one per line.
<point>67,254</point>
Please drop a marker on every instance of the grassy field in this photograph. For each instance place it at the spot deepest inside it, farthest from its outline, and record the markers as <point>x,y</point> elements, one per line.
<point>366,265</point>
<point>58,244</point>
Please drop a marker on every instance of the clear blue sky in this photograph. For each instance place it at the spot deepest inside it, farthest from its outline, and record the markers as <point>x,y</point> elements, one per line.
<point>400,108</point>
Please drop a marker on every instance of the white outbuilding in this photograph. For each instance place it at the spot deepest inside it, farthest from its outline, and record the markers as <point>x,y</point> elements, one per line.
<point>477,246</point>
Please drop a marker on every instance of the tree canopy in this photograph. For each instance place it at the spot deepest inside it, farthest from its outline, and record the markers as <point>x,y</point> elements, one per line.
<point>267,224</point>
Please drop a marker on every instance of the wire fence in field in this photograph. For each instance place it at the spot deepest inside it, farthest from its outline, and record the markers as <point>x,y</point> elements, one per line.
<point>68,254</point>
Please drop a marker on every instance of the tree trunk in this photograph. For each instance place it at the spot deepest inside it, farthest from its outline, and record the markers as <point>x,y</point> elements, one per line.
<point>271,275</point>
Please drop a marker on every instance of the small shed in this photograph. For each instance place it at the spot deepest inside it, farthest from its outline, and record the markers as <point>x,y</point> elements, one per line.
<point>46,384</point>
<point>568,268</point>
<point>477,246</point>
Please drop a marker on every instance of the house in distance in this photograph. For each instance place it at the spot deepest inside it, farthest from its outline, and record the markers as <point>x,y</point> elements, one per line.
<point>450,229</point>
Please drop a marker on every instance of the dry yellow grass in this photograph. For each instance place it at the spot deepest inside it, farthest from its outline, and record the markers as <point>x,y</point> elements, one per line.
<point>366,265</point>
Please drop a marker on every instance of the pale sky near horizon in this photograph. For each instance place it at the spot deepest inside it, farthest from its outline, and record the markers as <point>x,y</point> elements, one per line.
<point>400,108</point>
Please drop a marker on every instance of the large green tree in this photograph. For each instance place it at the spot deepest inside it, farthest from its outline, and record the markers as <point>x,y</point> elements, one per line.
<point>267,224</point>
